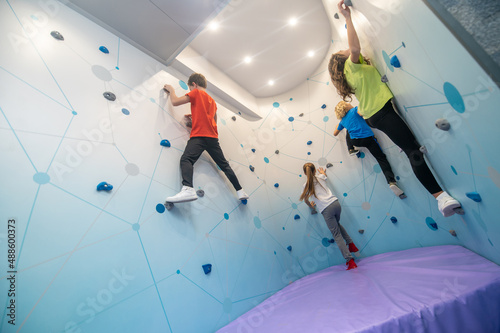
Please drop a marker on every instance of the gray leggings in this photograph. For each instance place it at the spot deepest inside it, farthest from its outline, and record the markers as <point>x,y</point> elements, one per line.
<point>341,237</point>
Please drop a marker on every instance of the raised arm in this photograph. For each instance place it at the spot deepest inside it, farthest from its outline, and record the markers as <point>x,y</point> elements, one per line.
<point>176,101</point>
<point>336,132</point>
<point>352,36</point>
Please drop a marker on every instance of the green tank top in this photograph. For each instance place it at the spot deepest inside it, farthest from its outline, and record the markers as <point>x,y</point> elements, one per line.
<point>370,91</point>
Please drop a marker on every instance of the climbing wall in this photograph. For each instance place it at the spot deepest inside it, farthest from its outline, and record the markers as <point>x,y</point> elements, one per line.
<point>89,108</point>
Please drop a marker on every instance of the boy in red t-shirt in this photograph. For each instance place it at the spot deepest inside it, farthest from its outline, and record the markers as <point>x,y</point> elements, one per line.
<point>204,136</point>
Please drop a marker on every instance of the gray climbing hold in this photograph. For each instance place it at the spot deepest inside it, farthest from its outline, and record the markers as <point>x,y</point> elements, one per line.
<point>443,124</point>
<point>276,151</point>
<point>169,205</point>
<point>109,96</point>
<point>200,193</point>
<point>423,149</point>
<point>233,118</point>
<point>361,231</point>
<point>453,233</point>
<point>348,3</point>
<point>329,165</point>
<point>314,211</point>
<point>57,35</point>
<point>384,78</point>
<point>336,16</point>
<point>301,115</point>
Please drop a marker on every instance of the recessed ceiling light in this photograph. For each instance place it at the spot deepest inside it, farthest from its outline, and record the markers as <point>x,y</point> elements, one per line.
<point>292,21</point>
<point>310,54</point>
<point>247,60</point>
<point>213,25</point>
<point>270,82</point>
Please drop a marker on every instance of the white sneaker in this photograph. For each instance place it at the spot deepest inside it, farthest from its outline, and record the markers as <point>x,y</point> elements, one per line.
<point>397,191</point>
<point>447,204</point>
<point>186,194</point>
<point>242,195</point>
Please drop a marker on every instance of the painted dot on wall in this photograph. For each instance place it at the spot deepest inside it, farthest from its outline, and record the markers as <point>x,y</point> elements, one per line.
<point>132,169</point>
<point>366,205</point>
<point>228,305</point>
<point>294,206</point>
<point>345,194</point>
<point>368,217</point>
<point>276,105</point>
<point>325,118</point>
<point>74,113</point>
<point>494,175</point>
<point>361,155</point>
<point>41,178</point>
<point>454,170</point>
<point>454,98</point>
<point>160,208</point>
<point>101,73</point>
<point>326,242</point>
<point>322,161</point>
<point>125,111</point>
<point>387,60</point>
<point>223,121</point>
<point>178,271</point>
<point>241,145</point>
<point>257,222</point>
<point>308,153</point>
<point>152,100</point>
<point>136,226</point>
<point>266,160</point>
<point>283,228</point>
<point>377,168</point>
<point>34,17</point>
<point>226,216</point>
<point>118,68</point>
<point>183,85</point>
<point>291,119</point>
<point>291,99</point>
<point>274,252</point>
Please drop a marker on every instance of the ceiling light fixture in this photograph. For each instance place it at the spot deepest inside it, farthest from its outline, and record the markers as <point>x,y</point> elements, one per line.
<point>310,54</point>
<point>292,21</point>
<point>213,26</point>
<point>247,60</point>
<point>270,82</point>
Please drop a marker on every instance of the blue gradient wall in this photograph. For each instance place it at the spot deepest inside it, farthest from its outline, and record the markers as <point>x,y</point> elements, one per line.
<point>91,261</point>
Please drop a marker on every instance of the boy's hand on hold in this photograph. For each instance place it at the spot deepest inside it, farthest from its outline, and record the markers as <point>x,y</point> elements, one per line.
<point>344,10</point>
<point>168,88</point>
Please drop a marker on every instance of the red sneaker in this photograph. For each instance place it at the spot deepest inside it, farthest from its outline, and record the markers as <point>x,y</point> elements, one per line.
<point>353,248</point>
<point>351,264</point>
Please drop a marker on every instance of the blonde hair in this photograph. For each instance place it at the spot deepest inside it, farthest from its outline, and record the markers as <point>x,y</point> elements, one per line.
<point>310,172</point>
<point>336,69</point>
<point>341,109</point>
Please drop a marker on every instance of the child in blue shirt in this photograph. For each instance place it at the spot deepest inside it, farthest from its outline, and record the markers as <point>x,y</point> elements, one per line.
<point>362,136</point>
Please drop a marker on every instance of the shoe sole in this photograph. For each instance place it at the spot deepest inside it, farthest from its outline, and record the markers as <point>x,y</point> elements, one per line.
<point>453,209</point>
<point>180,200</point>
<point>396,190</point>
<point>244,198</point>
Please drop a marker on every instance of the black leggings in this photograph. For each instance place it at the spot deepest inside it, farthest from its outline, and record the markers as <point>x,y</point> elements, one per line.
<point>373,147</point>
<point>389,122</point>
<point>194,148</point>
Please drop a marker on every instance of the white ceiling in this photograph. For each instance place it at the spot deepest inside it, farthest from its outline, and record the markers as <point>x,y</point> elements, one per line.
<point>255,28</point>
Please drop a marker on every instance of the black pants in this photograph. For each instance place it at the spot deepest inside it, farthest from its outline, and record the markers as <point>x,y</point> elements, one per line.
<point>389,122</point>
<point>348,140</point>
<point>194,148</point>
<point>372,145</point>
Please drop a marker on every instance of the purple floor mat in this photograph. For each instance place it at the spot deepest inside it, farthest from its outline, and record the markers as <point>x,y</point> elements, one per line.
<point>434,289</point>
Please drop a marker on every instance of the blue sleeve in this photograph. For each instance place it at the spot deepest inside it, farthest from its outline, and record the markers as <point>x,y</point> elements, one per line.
<point>340,127</point>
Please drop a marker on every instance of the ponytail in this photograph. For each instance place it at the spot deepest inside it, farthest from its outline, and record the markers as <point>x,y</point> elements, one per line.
<point>310,172</point>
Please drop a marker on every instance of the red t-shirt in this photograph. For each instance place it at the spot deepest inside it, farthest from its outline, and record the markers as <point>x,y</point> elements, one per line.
<point>203,109</point>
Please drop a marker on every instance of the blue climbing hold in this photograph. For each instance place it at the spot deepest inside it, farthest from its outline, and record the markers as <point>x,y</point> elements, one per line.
<point>323,106</point>
<point>207,268</point>
<point>253,150</point>
<point>289,248</point>
<point>309,143</point>
<point>251,168</point>
<point>165,143</point>
<point>331,241</point>
<point>276,185</point>
<point>308,153</point>
<point>296,217</point>
<point>244,201</point>
<point>431,223</point>
<point>395,61</point>
<point>474,196</point>
<point>394,219</point>
<point>104,49</point>
<point>103,186</point>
